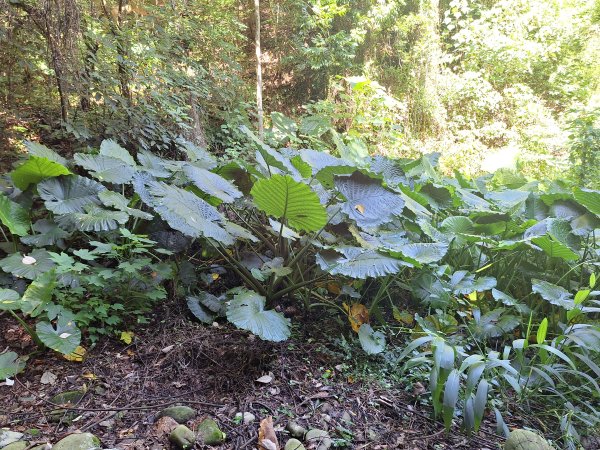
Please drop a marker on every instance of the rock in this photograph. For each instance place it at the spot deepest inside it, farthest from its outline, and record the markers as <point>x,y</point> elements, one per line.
<point>42,447</point>
<point>294,444</point>
<point>245,418</point>
<point>318,439</point>
<point>209,432</point>
<point>8,437</point>
<point>183,437</point>
<point>67,398</point>
<point>180,413</point>
<point>526,440</point>
<point>296,430</point>
<point>347,418</point>
<point>79,441</point>
<point>19,445</point>
<point>164,426</point>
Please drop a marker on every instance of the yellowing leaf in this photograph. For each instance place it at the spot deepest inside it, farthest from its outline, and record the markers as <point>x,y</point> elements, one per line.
<point>472,296</point>
<point>360,208</point>
<point>334,288</point>
<point>89,376</point>
<point>403,316</point>
<point>215,276</point>
<point>357,315</point>
<point>267,439</point>
<point>127,336</point>
<point>77,355</point>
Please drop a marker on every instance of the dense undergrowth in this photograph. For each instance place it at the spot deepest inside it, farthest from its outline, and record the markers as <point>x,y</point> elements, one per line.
<point>493,281</point>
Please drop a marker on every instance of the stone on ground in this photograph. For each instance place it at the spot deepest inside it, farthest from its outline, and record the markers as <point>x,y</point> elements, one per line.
<point>296,430</point>
<point>79,441</point>
<point>294,444</point>
<point>526,440</point>
<point>19,445</point>
<point>318,439</point>
<point>8,437</point>
<point>180,413</point>
<point>183,437</point>
<point>209,432</point>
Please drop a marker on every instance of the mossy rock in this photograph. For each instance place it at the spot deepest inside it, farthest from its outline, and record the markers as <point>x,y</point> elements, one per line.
<point>526,440</point>
<point>68,398</point>
<point>209,433</point>
<point>78,441</point>
<point>183,437</point>
<point>294,444</point>
<point>21,445</point>
<point>180,413</point>
<point>8,437</point>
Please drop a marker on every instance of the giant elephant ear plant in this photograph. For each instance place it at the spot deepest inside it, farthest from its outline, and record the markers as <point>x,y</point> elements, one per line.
<point>484,264</point>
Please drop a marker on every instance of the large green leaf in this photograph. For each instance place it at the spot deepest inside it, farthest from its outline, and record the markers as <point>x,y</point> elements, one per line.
<point>212,184</point>
<point>247,311</point>
<point>372,342</point>
<point>199,156</point>
<point>120,202</point>
<point>557,295</point>
<point>205,306</point>
<point>457,225</point>
<point>424,252</point>
<point>152,164</point>
<point>34,170</point>
<point>106,168</point>
<point>49,233</point>
<point>112,149</point>
<point>10,365</point>
<point>284,198</point>
<point>493,324</point>
<point>555,238</point>
<point>41,151</point>
<point>28,266</point>
<point>64,338</point>
<point>368,203</point>
<point>93,219</point>
<point>182,210</point>
<point>356,262</point>
<point>319,161</point>
<point>464,283</point>
<point>38,294</point>
<point>9,300</point>
<point>588,198</point>
<point>69,194</point>
<point>13,216</point>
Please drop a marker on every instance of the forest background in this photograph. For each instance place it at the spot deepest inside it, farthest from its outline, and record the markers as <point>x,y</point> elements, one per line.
<point>489,84</point>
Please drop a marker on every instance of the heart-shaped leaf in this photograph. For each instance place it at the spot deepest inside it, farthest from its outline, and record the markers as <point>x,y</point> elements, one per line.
<point>34,170</point>
<point>64,338</point>
<point>372,342</point>
<point>9,300</point>
<point>10,365</point>
<point>28,266</point>
<point>284,198</point>
<point>247,311</point>
<point>13,216</point>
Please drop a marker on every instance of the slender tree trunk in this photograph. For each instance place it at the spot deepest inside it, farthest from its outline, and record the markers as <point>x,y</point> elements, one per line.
<point>259,83</point>
<point>197,132</point>
<point>58,74</point>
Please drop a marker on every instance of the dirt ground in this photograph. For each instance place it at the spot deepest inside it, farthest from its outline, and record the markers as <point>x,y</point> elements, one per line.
<point>214,370</point>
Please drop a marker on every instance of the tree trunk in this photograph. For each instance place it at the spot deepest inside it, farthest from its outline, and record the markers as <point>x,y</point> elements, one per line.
<point>197,132</point>
<point>259,83</point>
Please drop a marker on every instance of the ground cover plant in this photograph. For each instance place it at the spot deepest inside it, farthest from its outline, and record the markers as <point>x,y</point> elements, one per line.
<point>493,282</point>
